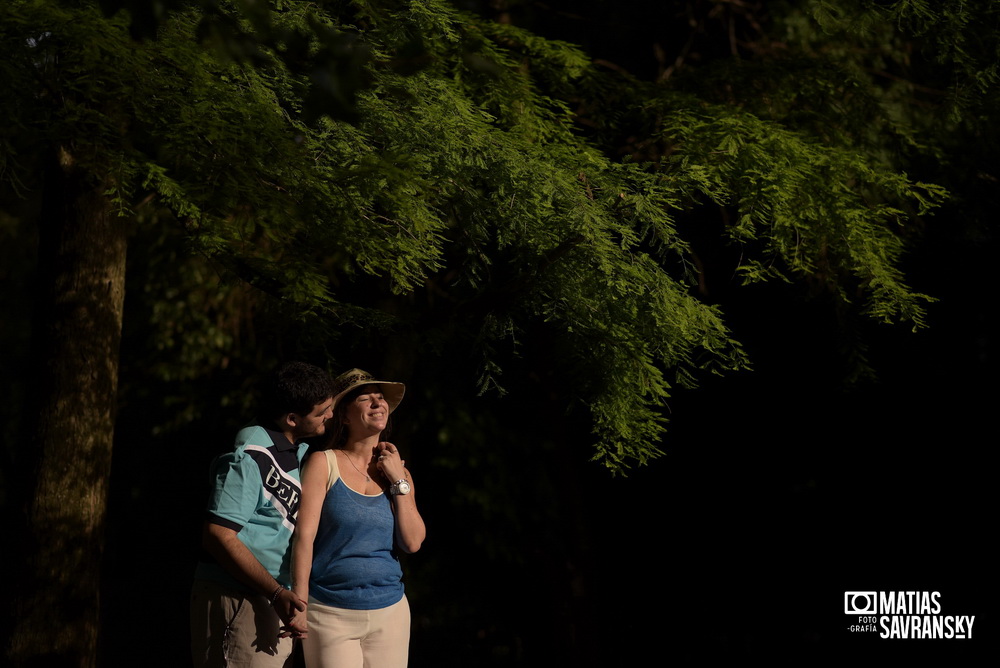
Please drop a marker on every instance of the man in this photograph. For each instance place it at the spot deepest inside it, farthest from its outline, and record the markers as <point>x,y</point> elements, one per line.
<point>241,596</point>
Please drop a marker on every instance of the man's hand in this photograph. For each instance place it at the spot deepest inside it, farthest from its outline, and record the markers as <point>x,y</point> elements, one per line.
<point>292,611</point>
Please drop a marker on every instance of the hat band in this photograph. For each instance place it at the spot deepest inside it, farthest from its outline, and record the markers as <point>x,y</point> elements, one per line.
<point>355,379</point>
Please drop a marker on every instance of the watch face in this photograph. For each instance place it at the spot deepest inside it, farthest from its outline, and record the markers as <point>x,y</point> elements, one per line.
<point>403,487</point>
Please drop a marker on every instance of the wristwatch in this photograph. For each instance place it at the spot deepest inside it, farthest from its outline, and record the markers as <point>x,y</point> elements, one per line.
<point>399,487</point>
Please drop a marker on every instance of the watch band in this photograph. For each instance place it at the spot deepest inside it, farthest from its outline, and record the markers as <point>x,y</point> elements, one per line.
<point>401,486</point>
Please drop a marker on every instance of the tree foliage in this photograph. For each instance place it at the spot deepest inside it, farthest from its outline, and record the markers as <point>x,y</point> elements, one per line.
<point>464,172</point>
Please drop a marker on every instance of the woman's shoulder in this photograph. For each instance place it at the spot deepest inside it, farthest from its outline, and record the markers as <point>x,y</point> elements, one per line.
<point>317,458</point>
<point>323,460</point>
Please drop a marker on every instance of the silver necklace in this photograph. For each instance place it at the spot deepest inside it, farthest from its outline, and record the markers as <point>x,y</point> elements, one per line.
<point>367,479</point>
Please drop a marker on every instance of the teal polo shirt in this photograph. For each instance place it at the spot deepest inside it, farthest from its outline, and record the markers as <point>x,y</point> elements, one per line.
<point>256,492</point>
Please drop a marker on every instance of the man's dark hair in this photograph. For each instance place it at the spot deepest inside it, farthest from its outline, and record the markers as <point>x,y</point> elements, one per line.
<point>294,387</point>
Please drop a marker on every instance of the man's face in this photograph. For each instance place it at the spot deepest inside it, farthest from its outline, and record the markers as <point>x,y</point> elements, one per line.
<point>313,424</point>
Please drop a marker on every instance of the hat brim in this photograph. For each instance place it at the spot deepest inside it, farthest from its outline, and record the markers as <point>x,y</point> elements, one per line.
<point>392,391</point>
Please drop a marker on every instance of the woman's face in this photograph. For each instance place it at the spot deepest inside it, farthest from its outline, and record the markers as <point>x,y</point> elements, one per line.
<point>367,413</point>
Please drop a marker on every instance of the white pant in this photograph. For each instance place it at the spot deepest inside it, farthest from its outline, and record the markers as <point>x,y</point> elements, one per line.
<point>341,638</point>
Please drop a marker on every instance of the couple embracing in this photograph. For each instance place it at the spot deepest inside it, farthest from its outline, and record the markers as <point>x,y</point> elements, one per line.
<point>310,556</point>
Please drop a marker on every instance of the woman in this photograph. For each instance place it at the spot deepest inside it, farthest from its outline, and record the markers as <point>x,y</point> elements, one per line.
<point>357,509</point>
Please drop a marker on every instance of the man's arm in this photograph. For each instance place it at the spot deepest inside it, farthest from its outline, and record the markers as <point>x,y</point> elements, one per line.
<point>227,549</point>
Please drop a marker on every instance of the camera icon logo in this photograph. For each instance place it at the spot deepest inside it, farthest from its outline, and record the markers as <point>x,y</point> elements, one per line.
<point>860,603</point>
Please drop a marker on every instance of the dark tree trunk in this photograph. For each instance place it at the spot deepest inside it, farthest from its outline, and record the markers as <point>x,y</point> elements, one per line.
<point>77,334</point>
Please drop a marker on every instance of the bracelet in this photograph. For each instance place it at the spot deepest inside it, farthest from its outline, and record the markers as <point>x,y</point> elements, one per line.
<point>274,596</point>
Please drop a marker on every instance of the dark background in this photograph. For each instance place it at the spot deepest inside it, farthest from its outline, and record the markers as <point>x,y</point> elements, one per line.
<point>781,487</point>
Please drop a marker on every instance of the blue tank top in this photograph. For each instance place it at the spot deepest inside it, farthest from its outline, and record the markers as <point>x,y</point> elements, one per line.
<point>354,563</point>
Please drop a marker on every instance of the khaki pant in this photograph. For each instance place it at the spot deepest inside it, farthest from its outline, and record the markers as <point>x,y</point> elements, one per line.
<point>233,630</point>
<point>340,638</point>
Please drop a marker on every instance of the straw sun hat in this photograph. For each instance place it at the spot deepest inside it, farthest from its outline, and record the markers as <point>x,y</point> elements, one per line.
<point>349,380</point>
